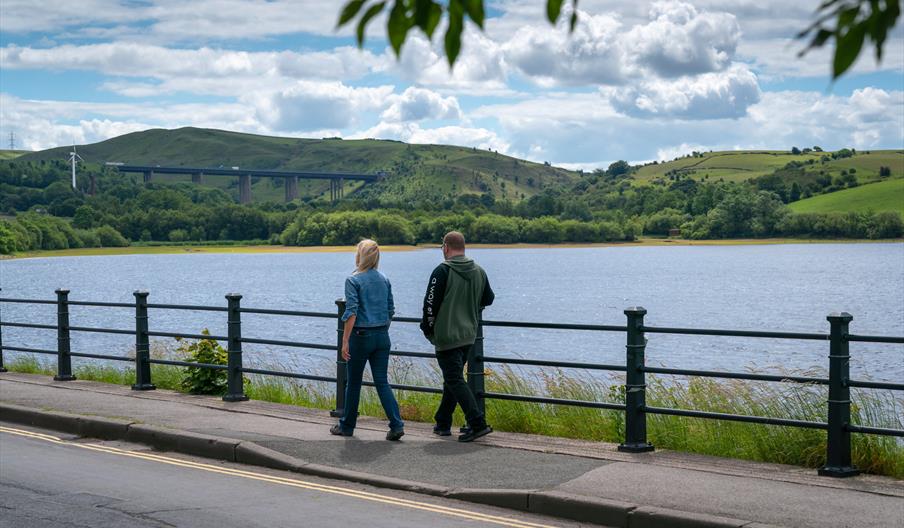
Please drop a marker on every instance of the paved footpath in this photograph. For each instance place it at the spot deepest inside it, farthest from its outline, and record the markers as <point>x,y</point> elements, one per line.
<point>583,481</point>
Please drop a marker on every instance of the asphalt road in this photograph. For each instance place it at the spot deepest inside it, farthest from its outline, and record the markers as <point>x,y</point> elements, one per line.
<point>52,480</point>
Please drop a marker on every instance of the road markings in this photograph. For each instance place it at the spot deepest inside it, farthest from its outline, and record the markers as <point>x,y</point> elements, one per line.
<point>324,488</point>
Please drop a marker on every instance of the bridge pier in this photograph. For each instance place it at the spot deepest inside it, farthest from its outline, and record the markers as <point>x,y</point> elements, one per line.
<point>92,184</point>
<point>291,188</point>
<point>337,189</point>
<point>147,176</point>
<point>197,177</point>
<point>245,188</point>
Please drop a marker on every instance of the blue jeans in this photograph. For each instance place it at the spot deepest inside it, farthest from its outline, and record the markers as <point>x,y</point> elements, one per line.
<point>369,345</point>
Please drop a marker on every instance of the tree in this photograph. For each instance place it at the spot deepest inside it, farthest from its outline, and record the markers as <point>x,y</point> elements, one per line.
<point>854,21</point>
<point>618,168</point>
<point>795,192</point>
<point>795,151</point>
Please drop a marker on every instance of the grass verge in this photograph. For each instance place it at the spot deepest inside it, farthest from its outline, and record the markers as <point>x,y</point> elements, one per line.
<point>881,455</point>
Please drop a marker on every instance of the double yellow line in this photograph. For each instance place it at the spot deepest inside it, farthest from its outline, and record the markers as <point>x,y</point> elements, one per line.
<point>295,483</point>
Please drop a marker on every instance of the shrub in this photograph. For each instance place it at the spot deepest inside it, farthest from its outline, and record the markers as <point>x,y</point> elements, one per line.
<point>88,238</point>
<point>110,237</point>
<point>178,235</point>
<point>200,380</point>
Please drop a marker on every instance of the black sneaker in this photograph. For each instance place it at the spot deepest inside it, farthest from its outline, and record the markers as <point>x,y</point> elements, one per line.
<point>442,431</point>
<point>336,430</point>
<point>395,436</point>
<point>474,434</point>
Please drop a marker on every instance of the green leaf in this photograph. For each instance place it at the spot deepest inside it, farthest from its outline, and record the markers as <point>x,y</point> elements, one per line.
<point>847,17</point>
<point>427,15</point>
<point>349,11</point>
<point>553,8</point>
<point>821,37</point>
<point>475,11</point>
<point>436,13</point>
<point>373,11</point>
<point>398,26</point>
<point>421,13</point>
<point>453,32</point>
<point>847,47</point>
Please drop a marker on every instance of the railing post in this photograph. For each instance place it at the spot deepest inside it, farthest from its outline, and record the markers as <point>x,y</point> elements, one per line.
<point>142,344</point>
<point>838,446</point>
<point>635,385</point>
<point>64,359</point>
<point>2,368</point>
<point>476,368</point>
<point>341,372</point>
<point>235,390</point>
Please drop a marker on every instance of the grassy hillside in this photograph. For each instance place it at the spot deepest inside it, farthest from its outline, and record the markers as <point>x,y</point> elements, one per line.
<point>11,154</point>
<point>880,196</point>
<point>415,171</point>
<point>744,165</point>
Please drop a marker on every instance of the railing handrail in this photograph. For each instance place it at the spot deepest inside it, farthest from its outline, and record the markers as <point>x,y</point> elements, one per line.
<point>716,332</point>
<point>838,425</point>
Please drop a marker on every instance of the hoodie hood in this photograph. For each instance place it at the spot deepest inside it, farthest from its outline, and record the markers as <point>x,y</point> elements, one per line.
<point>463,267</point>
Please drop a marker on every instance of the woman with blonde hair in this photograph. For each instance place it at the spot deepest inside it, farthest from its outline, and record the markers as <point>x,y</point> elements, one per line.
<point>365,339</point>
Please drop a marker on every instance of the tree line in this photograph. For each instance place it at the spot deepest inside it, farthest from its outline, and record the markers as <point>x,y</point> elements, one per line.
<point>44,212</point>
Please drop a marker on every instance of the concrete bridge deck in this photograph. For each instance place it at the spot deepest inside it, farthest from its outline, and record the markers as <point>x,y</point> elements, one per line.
<point>337,179</point>
<point>584,481</point>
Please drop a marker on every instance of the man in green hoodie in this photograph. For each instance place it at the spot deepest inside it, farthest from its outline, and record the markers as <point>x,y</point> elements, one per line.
<point>457,292</point>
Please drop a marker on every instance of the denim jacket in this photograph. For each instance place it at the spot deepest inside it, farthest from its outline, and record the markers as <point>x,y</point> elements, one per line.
<point>368,296</point>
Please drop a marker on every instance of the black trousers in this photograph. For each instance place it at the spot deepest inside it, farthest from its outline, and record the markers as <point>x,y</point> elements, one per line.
<point>456,390</point>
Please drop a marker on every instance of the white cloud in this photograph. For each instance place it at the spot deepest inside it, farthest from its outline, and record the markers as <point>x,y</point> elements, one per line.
<point>676,151</point>
<point>171,20</point>
<point>479,69</point>
<point>680,40</point>
<point>226,71</point>
<point>590,55</point>
<point>23,16</point>
<point>725,94</point>
<point>416,104</point>
<point>41,124</point>
<point>582,128</point>
<point>677,40</point>
<point>448,135</point>
<point>309,106</point>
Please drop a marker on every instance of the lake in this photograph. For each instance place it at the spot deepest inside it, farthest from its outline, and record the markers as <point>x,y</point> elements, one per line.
<point>788,287</point>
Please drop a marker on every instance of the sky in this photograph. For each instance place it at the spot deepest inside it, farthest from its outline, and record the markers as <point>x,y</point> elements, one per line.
<point>636,80</point>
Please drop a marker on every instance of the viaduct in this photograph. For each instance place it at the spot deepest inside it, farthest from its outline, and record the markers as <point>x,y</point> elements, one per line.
<point>337,179</point>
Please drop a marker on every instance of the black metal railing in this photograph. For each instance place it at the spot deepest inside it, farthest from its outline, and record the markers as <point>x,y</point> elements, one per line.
<point>838,424</point>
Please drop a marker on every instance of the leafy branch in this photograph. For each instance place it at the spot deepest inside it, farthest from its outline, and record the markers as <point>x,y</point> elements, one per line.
<point>854,21</point>
<point>425,15</point>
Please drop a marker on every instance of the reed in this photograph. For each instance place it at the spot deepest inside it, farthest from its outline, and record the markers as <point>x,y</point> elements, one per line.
<point>881,455</point>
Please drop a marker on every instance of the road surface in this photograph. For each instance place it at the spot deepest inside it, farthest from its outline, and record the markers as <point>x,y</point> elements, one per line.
<point>48,479</point>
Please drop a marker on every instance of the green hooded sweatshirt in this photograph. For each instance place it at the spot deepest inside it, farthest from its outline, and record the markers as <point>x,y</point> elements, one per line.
<point>466,292</point>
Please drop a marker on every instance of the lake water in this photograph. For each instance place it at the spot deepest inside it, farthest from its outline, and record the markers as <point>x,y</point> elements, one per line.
<point>762,287</point>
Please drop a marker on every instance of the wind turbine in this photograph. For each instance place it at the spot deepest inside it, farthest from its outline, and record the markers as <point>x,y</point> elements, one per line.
<point>74,158</point>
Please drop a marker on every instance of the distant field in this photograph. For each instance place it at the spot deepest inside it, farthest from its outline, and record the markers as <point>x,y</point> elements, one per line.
<point>743,165</point>
<point>881,196</point>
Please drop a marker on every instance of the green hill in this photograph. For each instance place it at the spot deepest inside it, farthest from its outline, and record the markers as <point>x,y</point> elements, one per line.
<point>744,165</point>
<point>880,196</point>
<point>414,171</point>
<point>11,154</point>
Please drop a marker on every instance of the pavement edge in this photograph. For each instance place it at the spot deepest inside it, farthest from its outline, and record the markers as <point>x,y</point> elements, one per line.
<point>544,502</point>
